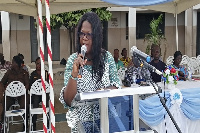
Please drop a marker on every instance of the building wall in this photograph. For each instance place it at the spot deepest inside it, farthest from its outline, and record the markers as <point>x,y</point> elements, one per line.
<point>20,36</point>
<point>170,33</point>
<point>20,39</point>
<point>117,32</point>
<point>64,43</point>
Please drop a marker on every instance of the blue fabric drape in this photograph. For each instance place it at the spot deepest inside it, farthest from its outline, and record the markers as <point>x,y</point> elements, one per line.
<point>152,111</point>
<point>136,2</point>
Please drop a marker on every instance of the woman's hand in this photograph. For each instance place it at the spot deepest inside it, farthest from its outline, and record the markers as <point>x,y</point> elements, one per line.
<point>180,73</point>
<point>77,63</point>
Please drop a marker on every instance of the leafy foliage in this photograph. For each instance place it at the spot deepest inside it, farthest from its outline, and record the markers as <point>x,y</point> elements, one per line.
<point>70,19</point>
<point>156,36</point>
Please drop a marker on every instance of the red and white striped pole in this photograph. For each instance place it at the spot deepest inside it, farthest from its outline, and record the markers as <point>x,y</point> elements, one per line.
<point>52,111</point>
<point>39,2</point>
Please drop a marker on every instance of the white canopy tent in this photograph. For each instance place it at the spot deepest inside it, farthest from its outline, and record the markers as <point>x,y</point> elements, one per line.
<point>29,7</point>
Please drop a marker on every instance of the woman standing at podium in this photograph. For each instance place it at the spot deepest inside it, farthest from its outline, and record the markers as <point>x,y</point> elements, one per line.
<point>98,71</point>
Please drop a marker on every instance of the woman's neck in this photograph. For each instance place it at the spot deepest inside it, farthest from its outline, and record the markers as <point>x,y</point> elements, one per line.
<point>176,65</point>
<point>89,56</point>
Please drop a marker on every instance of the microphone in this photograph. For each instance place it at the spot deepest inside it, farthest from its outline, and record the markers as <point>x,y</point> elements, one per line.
<point>152,68</point>
<point>83,51</point>
<point>140,54</point>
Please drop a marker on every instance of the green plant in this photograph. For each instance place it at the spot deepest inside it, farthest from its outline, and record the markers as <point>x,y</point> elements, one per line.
<point>156,36</point>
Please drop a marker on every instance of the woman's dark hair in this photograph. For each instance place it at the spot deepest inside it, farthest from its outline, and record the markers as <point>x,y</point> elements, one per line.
<point>176,54</point>
<point>97,38</point>
<point>18,60</point>
<point>21,56</point>
<point>38,58</point>
<point>123,51</point>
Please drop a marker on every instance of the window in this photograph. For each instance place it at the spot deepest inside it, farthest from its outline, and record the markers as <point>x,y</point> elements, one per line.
<point>126,26</point>
<point>142,23</point>
<point>55,42</point>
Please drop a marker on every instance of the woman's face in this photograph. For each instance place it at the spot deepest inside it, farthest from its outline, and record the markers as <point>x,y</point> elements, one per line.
<point>14,64</point>
<point>38,65</point>
<point>124,53</point>
<point>178,60</point>
<point>86,36</point>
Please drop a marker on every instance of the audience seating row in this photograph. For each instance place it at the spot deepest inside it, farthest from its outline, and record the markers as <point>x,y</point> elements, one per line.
<point>191,63</point>
<point>15,89</point>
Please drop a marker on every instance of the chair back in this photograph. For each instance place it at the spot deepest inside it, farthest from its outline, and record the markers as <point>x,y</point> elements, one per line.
<point>36,87</point>
<point>185,60</point>
<point>169,60</point>
<point>193,65</point>
<point>15,89</point>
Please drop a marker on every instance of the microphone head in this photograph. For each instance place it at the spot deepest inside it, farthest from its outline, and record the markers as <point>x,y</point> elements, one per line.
<point>83,48</point>
<point>132,50</point>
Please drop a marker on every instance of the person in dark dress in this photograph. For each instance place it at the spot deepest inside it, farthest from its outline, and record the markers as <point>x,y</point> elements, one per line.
<point>35,75</point>
<point>16,73</point>
<point>157,63</point>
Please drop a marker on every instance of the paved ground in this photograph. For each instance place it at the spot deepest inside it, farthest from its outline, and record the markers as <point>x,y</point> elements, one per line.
<point>61,124</point>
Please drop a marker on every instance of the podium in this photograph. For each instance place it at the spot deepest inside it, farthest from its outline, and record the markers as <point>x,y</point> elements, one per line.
<point>103,96</point>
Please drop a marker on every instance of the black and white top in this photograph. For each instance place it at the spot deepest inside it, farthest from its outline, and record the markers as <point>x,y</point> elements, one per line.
<point>84,112</point>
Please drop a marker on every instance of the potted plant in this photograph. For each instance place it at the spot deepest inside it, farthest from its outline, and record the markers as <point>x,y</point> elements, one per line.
<point>156,37</point>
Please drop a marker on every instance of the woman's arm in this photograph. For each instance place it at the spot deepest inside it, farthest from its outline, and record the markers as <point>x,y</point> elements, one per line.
<point>71,74</point>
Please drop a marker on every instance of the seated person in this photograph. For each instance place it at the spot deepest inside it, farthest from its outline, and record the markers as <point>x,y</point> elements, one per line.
<point>35,75</point>
<point>16,73</point>
<point>126,60</point>
<point>118,63</point>
<point>157,63</point>
<point>135,73</point>
<point>23,65</point>
<point>4,64</point>
<point>182,71</point>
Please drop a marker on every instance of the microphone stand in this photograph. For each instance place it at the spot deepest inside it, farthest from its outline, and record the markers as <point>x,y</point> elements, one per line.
<point>161,98</point>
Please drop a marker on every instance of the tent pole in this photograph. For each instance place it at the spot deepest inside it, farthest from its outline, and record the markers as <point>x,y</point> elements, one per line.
<point>176,34</point>
<point>39,6</point>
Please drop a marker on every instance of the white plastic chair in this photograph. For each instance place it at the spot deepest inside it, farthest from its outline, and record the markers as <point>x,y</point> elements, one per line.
<point>14,89</point>
<point>36,89</point>
<point>185,60</point>
<point>169,60</point>
<point>193,64</point>
<point>2,72</point>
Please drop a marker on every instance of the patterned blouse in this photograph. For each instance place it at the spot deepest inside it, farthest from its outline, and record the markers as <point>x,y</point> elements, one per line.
<point>79,113</point>
<point>126,62</point>
<point>182,69</point>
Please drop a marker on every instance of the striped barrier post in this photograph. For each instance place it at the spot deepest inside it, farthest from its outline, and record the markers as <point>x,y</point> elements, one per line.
<point>39,2</point>
<point>52,111</point>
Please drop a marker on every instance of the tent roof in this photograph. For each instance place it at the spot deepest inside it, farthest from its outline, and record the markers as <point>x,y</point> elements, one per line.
<point>28,7</point>
<point>169,6</point>
<point>175,7</point>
